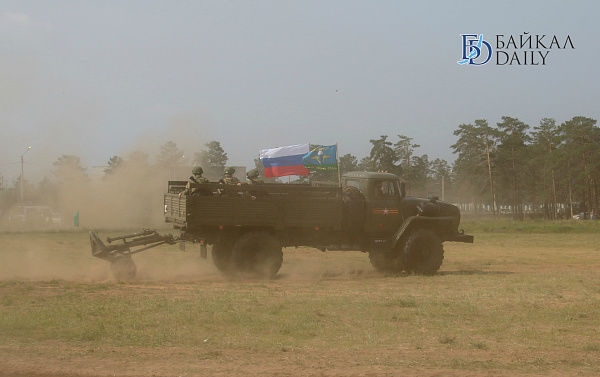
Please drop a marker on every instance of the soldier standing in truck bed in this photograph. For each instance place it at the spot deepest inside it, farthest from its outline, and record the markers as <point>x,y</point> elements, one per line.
<point>229,179</point>
<point>191,187</point>
<point>253,177</point>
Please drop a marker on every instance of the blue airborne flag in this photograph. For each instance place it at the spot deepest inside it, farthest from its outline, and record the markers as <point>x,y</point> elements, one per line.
<point>323,157</point>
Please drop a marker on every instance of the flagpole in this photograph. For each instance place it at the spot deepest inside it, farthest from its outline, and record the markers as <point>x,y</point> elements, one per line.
<point>309,176</point>
<point>337,159</point>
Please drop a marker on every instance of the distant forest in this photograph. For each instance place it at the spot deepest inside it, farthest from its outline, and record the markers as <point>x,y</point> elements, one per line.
<point>548,170</point>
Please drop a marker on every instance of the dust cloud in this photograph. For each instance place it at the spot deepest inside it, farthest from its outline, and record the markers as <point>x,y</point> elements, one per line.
<point>43,256</point>
<point>130,196</point>
<point>46,237</point>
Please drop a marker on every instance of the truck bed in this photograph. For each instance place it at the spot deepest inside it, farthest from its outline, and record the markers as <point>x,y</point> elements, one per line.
<point>275,206</point>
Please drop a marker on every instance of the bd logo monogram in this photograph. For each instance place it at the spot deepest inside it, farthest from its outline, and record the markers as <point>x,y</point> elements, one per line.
<point>475,51</point>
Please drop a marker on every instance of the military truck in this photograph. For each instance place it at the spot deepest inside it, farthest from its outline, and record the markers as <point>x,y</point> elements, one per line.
<point>248,225</point>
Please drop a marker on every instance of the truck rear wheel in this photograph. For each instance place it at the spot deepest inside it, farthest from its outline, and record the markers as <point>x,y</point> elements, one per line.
<point>221,256</point>
<point>423,252</point>
<point>257,253</point>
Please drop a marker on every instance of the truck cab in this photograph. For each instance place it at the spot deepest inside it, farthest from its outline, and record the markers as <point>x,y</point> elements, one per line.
<point>403,233</point>
<point>383,193</point>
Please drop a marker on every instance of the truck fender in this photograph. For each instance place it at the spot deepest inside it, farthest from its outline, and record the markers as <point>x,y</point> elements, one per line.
<point>414,222</point>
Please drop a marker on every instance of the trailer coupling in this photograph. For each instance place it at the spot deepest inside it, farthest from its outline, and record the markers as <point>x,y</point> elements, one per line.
<point>128,244</point>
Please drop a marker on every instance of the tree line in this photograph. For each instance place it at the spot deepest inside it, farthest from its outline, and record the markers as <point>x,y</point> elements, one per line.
<point>549,170</point>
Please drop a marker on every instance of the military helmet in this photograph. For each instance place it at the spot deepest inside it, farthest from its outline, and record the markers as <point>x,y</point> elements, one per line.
<point>252,174</point>
<point>197,170</point>
<point>229,171</point>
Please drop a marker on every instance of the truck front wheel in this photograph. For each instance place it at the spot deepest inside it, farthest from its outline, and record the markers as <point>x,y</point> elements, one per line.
<point>423,252</point>
<point>257,253</point>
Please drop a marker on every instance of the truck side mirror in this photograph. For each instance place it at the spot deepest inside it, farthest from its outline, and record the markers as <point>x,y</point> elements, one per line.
<point>402,189</point>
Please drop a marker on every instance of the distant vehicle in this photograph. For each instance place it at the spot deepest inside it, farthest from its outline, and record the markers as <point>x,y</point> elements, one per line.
<point>34,216</point>
<point>247,225</point>
<point>585,216</point>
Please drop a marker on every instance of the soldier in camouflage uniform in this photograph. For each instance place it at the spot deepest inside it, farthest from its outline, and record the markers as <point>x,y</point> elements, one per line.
<point>191,187</point>
<point>229,179</point>
<point>252,176</point>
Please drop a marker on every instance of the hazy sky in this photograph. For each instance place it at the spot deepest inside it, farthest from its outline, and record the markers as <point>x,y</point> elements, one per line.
<point>103,78</point>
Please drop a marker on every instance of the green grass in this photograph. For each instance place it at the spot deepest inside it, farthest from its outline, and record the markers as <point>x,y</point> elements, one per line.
<point>460,315</point>
<point>522,300</point>
<point>531,226</point>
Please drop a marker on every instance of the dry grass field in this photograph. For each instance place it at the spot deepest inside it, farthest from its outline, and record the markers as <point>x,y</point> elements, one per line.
<point>523,300</point>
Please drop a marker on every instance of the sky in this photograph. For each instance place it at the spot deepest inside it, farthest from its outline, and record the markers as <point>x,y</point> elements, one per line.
<point>97,79</point>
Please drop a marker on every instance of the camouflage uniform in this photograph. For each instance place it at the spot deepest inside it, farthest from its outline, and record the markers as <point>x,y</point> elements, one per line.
<point>191,187</point>
<point>229,179</point>
<point>253,177</point>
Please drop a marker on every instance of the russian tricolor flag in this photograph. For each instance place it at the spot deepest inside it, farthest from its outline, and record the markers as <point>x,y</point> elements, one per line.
<point>282,161</point>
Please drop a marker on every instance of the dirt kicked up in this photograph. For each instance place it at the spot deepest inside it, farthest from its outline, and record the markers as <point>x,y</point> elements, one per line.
<point>524,305</point>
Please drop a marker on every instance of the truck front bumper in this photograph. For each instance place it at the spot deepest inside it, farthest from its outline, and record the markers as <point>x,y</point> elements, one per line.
<point>462,237</point>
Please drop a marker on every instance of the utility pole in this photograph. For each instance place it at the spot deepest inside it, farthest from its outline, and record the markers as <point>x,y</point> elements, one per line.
<point>22,176</point>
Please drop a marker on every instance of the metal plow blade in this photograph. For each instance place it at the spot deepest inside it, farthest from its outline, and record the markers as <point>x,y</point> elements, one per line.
<point>127,245</point>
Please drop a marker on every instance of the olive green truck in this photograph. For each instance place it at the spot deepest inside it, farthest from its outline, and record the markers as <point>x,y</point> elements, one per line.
<point>248,225</point>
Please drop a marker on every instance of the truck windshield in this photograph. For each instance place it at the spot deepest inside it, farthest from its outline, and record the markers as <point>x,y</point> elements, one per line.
<point>384,189</point>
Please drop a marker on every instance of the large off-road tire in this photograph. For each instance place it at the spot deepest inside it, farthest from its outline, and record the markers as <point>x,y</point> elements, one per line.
<point>123,268</point>
<point>221,256</point>
<point>423,252</point>
<point>257,253</point>
<point>387,262</point>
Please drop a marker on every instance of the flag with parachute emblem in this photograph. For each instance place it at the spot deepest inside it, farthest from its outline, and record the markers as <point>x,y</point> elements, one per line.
<point>322,157</point>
